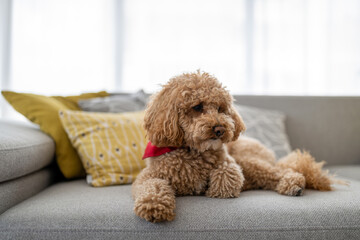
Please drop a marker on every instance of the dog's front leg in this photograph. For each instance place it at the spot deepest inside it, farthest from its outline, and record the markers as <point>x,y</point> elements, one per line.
<point>154,199</point>
<point>226,180</point>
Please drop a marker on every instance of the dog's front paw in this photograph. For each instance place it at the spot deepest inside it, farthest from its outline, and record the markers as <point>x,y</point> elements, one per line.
<point>291,184</point>
<point>225,181</point>
<point>155,208</point>
<point>155,201</point>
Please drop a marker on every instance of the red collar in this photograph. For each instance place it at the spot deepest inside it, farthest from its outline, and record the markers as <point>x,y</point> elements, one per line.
<point>154,151</point>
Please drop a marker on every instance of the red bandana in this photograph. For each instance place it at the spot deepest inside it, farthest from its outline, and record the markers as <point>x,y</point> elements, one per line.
<point>154,151</point>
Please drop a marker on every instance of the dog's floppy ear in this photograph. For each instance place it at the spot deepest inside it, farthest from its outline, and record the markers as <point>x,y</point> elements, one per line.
<point>161,121</point>
<point>239,123</point>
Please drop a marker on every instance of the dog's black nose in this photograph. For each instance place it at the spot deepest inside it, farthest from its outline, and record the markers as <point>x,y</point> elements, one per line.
<point>218,130</point>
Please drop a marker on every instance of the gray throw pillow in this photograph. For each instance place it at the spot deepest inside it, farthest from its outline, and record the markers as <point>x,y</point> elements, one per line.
<point>267,126</point>
<point>115,103</point>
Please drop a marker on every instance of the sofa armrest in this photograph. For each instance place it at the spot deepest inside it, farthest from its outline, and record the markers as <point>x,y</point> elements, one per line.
<point>17,190</point>
<point>24,149</point>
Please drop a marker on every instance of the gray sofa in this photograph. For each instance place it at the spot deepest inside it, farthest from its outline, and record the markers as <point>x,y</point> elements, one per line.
<point>36,203</point>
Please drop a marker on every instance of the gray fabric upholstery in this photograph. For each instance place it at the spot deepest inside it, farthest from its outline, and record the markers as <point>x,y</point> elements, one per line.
<point>329,127</point>
<point>267,126</point>
<point>23,150</point>
<point>348,171</point>
<point>115,103</point>
<point>17,190</point>
<point>74,210</point>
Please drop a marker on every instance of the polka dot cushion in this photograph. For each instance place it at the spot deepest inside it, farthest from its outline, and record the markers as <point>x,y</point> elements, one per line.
<point>110,145</point>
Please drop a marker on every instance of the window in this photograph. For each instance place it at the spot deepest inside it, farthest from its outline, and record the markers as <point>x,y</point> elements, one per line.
<point>294,47</point>
<point>163,38</point>
<point>62,47</point>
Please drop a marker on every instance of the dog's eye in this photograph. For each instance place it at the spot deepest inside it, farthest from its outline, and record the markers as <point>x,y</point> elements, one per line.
<point>221,110</point>
<point>198,107</point>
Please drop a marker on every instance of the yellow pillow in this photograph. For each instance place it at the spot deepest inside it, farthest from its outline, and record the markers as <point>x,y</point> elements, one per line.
<point>110,145</point>
<point>44,110</point>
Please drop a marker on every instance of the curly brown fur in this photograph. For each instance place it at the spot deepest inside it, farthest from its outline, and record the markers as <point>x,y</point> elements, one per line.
<point>304,163</point>
<point>195,113</point>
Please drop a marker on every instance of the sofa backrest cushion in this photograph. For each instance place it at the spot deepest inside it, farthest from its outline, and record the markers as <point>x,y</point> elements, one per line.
<point>329,127</point>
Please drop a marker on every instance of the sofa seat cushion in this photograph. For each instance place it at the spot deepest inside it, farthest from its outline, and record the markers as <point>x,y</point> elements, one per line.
<point>348,171</point>
<point>23,149</point>
<point>74,210</point>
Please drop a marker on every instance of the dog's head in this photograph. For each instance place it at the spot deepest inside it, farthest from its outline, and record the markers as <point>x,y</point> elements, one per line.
<point>192,110</point>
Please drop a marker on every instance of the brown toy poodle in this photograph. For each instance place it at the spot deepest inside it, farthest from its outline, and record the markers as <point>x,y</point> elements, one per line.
<point>195,149</point>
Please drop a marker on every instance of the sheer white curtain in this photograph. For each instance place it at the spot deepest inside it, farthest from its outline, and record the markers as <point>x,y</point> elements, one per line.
<point>298,47</point>
<point>285,47</point>
<point>163,38</point>
<point>59,47</point>
<point>62,46</point>
<point>5,23</point>
<point>306,47</point>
